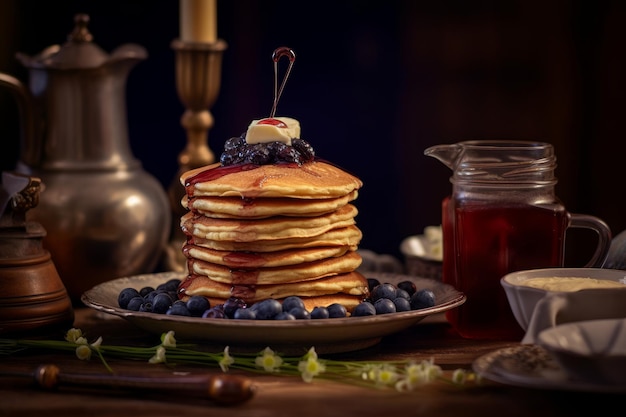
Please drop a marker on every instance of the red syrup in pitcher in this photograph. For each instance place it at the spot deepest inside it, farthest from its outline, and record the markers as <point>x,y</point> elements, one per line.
<point>484,242</point>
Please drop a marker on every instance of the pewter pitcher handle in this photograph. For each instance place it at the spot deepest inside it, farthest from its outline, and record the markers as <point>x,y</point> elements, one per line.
<point>30,144</point>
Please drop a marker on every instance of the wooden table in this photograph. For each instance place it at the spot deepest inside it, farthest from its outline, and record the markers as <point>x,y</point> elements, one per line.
<point>290,396</point>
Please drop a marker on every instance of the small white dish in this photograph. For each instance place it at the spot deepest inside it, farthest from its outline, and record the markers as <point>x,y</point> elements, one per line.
<point>592,351</point>
<point>531,366</point>
<point>523,299</point>
<point>423,254</point>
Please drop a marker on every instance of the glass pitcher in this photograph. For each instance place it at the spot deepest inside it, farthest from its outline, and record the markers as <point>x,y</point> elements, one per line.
<point>502,216</point>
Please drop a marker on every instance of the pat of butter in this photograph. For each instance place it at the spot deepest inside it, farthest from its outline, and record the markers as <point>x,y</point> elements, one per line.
<point>264,133</point>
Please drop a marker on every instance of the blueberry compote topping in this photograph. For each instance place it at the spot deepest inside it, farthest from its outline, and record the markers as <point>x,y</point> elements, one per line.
<point>238,151</point>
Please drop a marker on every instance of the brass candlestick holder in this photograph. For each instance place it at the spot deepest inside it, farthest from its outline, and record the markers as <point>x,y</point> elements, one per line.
<point>198,77</point>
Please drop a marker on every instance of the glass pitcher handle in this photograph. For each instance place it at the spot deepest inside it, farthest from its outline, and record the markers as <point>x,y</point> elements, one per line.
<point>585,221</point>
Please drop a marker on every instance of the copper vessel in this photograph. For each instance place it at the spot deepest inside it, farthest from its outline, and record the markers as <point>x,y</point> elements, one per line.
<point>33,299</point>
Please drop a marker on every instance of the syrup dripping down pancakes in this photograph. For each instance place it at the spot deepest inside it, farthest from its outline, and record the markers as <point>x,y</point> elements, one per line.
<point>273,230</point>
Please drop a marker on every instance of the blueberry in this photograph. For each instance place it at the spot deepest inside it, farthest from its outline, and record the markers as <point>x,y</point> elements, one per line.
<point>364,309</point>
<point>292,302</point>
<point>245,314</point>
<point>300,313</point>
<point>161,303</point>
<point>125,296</point>
<point>319,313</point>
<point>400,293</point>
<point>234,143</point>
<point>283,315</point>
<point>384,291</point>
<point>232,304</point>
<point>135,303</point>
<point>384,306</point>
<point>337,310</point>
<point>408,286</point>
<point>197,304</point>
<point>149,297</point>
<point>422,299</point>
<point>267,309</point>
<point>178,309</point>
<point>145,291</point>
<point>372,283</point>
<point>170,285</point>
<point>216,312</point>
<point>402,304</point>
<point>146,307</point>
<point>304,149</point>
<point>288,154</point>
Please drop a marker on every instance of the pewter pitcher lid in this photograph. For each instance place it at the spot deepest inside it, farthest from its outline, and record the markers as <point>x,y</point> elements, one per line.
<point>80,52</point>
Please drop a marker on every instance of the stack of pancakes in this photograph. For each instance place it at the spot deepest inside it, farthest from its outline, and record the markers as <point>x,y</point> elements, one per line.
<point>272,231</point>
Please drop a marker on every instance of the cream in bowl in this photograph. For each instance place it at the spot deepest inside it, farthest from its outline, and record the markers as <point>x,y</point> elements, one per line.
<point>571,283</point>
<point>524,290</point>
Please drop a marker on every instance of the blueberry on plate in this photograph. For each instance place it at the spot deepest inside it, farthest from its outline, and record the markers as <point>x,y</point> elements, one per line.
<point>422,299</point>
<point>125,296</point>
<point>364,309</point>
<point>337,310</point>
<point>384,306</point>
<point>319,313</point>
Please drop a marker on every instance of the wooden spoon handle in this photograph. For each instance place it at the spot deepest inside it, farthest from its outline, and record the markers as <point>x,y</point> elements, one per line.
<point>222,389</point>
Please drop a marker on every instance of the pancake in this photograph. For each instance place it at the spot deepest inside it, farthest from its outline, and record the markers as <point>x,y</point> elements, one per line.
<point>279,227</point>
<point>258,208</point>
<point>277,275</point>
<point>272,221</point>
<point>352,284</point>
<point>343,236</point>
<point>238,259</point>
<point>311,180</point>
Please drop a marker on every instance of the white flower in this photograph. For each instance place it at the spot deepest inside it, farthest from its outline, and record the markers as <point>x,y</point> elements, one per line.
<point>310,366</point>
<point>226,360</point>
<point>459,376</point>
<point>268,360</point>
<point>83,352</point>
<point>97,343</point>
<point>159,356</point>
<point>418,374</point>
<point>168,340</point>
<point>73,334</point>
<point>386,375</point>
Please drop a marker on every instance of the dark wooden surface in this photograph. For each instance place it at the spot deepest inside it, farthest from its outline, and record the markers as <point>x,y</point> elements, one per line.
<point>276,396</point>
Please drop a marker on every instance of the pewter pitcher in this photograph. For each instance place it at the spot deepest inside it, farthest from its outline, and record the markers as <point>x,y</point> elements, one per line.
<point>105,216</point>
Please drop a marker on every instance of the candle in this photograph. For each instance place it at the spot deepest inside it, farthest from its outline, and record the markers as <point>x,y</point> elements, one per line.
<point>198,21</point>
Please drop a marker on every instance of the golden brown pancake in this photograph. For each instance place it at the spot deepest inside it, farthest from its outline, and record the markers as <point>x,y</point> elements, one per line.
<point>349,284</point>
<point>277,275</point>
<point>312,180</point>
<point>239,259</point>
<point>273,228</point>
<point>258,208</point>
<point>343,236</point>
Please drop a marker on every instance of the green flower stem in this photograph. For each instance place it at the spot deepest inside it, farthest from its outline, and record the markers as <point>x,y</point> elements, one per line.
<point>401,375</point>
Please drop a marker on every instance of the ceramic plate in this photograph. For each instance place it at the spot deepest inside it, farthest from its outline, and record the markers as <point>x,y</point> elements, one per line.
<point>326,335</point>
<point>531,366</point>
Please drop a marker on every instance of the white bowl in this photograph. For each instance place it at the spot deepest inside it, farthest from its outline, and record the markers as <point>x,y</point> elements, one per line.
<point>422,256</point>
<point>523,300</point>
<point>592,351</point>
